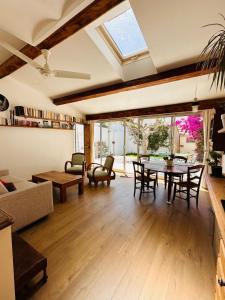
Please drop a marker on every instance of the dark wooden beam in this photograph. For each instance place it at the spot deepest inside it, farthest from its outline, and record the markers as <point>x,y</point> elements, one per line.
<point>156,110</point>
<point>172,75</point>
<point>89,14</point>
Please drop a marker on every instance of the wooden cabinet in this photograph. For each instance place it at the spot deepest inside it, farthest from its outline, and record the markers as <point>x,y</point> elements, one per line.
<point>216,188</point>
<point>220,273</point>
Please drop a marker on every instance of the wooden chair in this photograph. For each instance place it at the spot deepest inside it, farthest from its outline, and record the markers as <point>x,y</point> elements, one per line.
<point>146,157</point>
<point>177,176</point>
<point>77,164</point>
<point>141,181</point>
<point>192,185</point>
<point>101,172</point>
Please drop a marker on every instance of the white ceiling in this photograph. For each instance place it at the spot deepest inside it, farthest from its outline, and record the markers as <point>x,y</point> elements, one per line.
<point>33,20</point>
<point>77,53</point>
<point>172,29</point>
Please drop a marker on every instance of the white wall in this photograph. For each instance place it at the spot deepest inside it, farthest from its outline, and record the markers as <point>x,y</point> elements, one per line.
<point>26,151</point>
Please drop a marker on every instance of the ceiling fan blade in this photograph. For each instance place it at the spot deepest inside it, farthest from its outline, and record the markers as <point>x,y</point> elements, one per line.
<point>70,74</point>
<point>20,55</point>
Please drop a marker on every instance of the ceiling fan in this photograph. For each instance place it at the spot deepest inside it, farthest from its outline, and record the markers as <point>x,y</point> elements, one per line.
<point>45,70</point>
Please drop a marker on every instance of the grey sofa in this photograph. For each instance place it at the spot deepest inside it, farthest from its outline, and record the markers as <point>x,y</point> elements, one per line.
<point>28,203</point>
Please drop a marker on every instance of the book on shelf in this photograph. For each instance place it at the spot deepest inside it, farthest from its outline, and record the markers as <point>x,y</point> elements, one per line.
<point>28,112</point>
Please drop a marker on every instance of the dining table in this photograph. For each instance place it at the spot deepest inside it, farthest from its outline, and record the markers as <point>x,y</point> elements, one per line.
<point>178,168</point>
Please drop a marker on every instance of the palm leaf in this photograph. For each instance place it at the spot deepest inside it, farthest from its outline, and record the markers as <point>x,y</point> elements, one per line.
<point>213,56</point>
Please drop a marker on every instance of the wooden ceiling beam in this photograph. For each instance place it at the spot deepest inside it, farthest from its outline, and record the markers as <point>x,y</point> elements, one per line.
<point>89,14</point>
<point>181,73</point>
<point>156,110</point>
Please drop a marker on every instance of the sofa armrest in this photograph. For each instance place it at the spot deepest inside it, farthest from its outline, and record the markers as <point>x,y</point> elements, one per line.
<point>4,172</point>
<point>29,204</point>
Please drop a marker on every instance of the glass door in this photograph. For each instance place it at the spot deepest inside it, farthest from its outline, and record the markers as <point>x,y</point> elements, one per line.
<point>131,143</point>
<point>157,137</point>
<point>109,140</point>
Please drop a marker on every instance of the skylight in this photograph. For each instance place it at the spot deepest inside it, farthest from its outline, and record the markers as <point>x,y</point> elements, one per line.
<point>126,34</point>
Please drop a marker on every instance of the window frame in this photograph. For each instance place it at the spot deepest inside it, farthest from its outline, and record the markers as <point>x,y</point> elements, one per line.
<point>115,49</point>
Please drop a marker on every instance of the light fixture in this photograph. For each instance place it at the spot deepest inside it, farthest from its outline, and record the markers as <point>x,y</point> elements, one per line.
<point>195,105</point>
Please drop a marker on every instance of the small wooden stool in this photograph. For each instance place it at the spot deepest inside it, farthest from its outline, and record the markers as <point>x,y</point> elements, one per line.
<point>28,262</point>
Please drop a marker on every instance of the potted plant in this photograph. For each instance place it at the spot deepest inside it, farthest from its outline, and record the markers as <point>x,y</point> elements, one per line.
<point>169,160</point>
<point>214,162</point>
<point>214,55</point>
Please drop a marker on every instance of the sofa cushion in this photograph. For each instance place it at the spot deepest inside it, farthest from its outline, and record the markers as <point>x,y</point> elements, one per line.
<point>3,189</point>
<point>98,173</point>
<point>10,186</point>
<point>19,183</point>
<point>75,168</point>
<point>13,179</point>
<point>24,184</point>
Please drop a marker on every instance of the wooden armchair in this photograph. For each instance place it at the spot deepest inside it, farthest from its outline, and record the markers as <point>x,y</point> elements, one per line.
<point>77,164</point>
<point>97,172</point>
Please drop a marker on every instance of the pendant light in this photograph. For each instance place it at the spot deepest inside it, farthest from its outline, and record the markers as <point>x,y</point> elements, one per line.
<point>195,103</point>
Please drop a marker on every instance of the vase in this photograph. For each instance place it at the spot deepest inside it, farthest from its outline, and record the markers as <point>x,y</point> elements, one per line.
<point>169,163</point>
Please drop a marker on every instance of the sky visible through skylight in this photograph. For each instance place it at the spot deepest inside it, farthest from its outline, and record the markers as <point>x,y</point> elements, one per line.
<point>126,33</point>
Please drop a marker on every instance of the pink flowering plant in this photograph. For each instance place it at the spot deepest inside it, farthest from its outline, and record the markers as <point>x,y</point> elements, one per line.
<point>193,126</point>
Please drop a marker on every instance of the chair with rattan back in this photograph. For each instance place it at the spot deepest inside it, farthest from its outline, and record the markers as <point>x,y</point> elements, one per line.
<point>191,187</point>
<point>146,157</point>
<point>141,181</point>
<point>180,158</point>
<point>179,177</point>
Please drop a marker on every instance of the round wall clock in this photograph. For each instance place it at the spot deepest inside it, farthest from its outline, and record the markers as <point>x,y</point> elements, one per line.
<point>4,103</point>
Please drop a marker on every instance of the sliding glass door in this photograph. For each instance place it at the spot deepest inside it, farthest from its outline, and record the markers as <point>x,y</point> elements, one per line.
<point>157,136</point>
<point>109,140</point>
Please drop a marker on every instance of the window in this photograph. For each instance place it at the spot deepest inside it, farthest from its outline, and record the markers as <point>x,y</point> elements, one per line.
<point>79,138</point>
<point>124,35</point>
<point>157,136</point>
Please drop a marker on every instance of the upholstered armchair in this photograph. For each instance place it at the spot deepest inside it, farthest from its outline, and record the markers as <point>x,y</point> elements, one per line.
<point>97,172</point>
<point>77,165</point>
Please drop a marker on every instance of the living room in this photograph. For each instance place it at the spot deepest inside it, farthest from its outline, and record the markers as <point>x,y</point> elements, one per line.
<point>110,112</point>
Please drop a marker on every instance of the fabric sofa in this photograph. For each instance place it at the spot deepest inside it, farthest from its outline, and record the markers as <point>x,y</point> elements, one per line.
<point>29,203</point>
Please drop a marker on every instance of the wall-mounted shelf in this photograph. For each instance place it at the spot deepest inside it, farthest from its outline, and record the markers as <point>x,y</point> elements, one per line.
<point>21,116</point>
<point>18,126</point>
<point>45,119</point>
<point>221,130</point>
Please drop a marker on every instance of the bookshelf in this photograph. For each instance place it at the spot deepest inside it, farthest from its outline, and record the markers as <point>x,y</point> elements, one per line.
<point>51,128</point>
<point>25,117</point>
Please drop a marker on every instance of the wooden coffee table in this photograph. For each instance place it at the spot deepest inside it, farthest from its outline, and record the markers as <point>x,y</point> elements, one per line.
<point>61,180</point>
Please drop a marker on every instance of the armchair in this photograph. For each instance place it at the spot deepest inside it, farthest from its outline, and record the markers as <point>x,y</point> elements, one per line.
<point>77,164</point>
<point>97,172</point>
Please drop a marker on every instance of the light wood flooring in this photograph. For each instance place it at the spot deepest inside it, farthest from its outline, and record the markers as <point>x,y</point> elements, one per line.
<point>106,245</point>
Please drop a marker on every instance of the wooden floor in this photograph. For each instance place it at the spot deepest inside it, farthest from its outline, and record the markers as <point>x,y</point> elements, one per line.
<point>105,244</point>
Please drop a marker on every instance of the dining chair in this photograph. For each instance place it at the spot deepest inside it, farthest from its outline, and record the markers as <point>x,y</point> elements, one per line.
<point>190,187</point>
<point>146,157</point>
<point>179,177</point>
<point>141,181</point>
